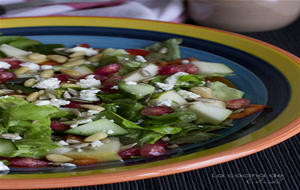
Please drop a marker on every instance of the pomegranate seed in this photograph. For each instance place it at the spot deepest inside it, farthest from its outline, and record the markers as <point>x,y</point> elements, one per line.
<point>156,110</point>
<point>28,162</point>
<point>73,104</point>
<point>113,78</point>
<point>61,77</point>
<point>102,78</point>
<point>161,143</point>
<point>58,126</point>
<point>240,103</point>
<point>152,150</point>
<point>130,152</point>
<point>108,69</point>
<point>3,70</point>
<point>172,69</point>
<point>6,76</point>
<point>107,87</point>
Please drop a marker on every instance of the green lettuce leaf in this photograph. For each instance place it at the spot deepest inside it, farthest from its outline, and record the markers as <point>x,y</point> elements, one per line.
<point>172,53</point>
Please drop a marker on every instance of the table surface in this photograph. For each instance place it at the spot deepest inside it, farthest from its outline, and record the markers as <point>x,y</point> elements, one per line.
<point>276,168</point>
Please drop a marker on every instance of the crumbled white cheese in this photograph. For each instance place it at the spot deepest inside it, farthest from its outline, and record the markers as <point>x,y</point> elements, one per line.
<point>46,67</point>
<point>61,143</point>
<point>140,58</point>
<point>3,167</point>
<point>89,81</point>
<point>163,50</point>
<point>112,120</point>
<point>42,102</point>
<point>110,131</point>
<point>188,95</point>
<point>32,66</point>
<point>4,65</point>
<point>88,51</point>
<point>130,83</point>
<point>89,113</point>
<point>170,82</point>
<point>126,58</point>
<point>139,121</point>
<point>96,143</point>
<point>85,121</point>
<point>167,102</point>
<point>89,95</point>
<point>49,84</point>
<point>73,126</point>
<point>103,117</point>
<point>185,61</point>
<point>115,87</point>
<point>79,150</point>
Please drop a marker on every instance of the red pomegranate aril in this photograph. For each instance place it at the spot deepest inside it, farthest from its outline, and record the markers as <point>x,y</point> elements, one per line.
<point>61,77</point>
<point>28,162</point>
<point>7,76</point>
<point>156,110</point>
<point>152,150</point>
<point>108,88</point>
<point>172,69</point>
<point>74,104</point>
<point>113,78</point>
<point>240,103</point>
<point>127,153</point>
<point>58,126</point>
<point>108,69</point>
<point>15,64</point>
<point>3,70</point>
<point>135,52</point>
<point>161,143</point>
<point>102,78</point>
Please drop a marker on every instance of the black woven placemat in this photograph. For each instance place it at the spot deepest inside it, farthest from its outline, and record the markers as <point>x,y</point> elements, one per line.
<point>276,168</point>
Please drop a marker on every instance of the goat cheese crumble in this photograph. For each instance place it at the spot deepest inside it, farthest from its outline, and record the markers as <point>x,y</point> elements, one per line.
<point>188,95</point>
<point>48,84</point>
<point>4,65</point>
<point>89,95</point>
<point>31,66</point>
<point>88,51</point>
<point>88,82</point>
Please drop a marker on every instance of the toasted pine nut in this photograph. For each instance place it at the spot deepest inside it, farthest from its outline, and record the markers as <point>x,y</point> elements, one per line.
<point>204,92</point>
<point>75,58</point>
<point>96,137</point>
<point>32,97</point>
<point>36,56</point>
<point>30,82</point>
<point>21,70</point>
<point>59,158</point>
<point>92,107</point>
<point>19,96</point>
<point>2,92</point>
<point>47,73</point>
<point>70,73</point>
<point>68,85</point>
<point>74,63</point>
<point>42,92</point>
<point>96,58</point>
<point>58,58</point>
<point>50,95</point>
<point>78,54</point>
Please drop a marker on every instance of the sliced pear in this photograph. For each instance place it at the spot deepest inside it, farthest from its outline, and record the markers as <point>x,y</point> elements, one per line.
<point>165,96</point>
<point>141,74</point>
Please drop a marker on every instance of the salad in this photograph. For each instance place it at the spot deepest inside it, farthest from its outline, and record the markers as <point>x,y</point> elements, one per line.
<point>70,106</point>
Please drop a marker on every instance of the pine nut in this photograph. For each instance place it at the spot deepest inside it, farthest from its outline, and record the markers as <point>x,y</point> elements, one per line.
<point>58,158</point>
<point>66,95</point>
<point>30,82</point>
<point>58,58</point>
<point>74,63</point>
<point>70,73</point>
<point>96,137</point>
<point>32,97</point>
<point>36,56</point>
<point>69,85</point>
<point>92,107</point>
<point>95,58</point>
<point>78,54</point>
<point>73,92</point>
<point>204,92</point>
<point>2,92</point>
<point>75,58</point>
<point>19,96</point>
<point>50,95</point>
<point>47,73</point>
<point>42,92</point>
<point>21,70</point>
